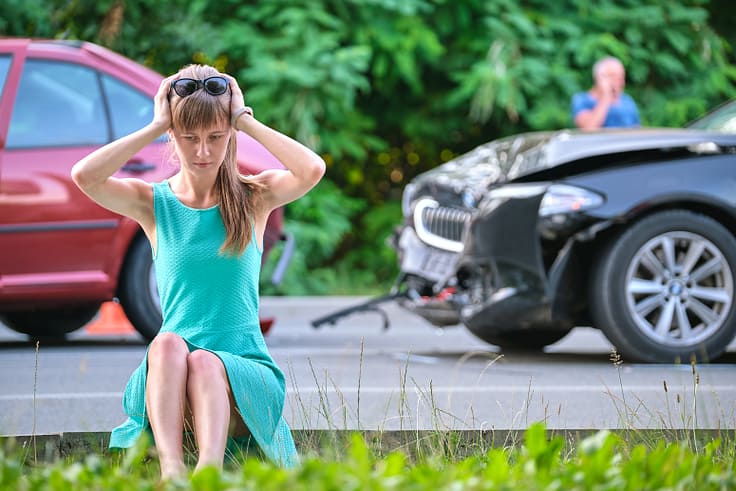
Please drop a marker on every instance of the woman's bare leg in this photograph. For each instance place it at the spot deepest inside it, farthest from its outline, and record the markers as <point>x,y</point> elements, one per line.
<point>166,399</point>
<point>208,393</point>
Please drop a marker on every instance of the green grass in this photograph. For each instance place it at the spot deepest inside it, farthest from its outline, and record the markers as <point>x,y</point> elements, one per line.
<point>363,461</point>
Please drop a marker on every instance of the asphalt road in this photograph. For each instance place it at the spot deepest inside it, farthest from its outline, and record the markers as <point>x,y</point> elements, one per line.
<point>355,375</point>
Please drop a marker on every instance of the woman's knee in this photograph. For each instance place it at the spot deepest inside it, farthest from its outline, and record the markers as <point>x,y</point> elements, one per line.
<point>167,347</point>
<point>203,365</point>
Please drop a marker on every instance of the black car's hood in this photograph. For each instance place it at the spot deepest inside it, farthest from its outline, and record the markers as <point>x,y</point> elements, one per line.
<point>512,157</point>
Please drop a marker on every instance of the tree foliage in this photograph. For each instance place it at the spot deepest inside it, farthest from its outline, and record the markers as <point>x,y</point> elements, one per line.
<point>385,89</point>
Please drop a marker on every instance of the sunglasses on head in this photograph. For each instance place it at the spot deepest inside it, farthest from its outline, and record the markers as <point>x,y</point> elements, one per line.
<point>188,86</point>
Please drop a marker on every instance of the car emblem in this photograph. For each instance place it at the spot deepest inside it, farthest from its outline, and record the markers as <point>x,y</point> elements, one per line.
<point>468,199</point>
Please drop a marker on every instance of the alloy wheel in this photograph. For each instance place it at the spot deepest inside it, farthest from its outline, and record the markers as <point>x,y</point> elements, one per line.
<point>679,289</point>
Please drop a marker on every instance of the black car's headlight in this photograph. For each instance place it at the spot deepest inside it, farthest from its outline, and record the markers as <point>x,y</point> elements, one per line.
<point>563,198</point>
<point>558,198</point>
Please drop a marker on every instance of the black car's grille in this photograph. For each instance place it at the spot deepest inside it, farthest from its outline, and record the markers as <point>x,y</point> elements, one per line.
<point>447,223</point>
<point>433,222</point>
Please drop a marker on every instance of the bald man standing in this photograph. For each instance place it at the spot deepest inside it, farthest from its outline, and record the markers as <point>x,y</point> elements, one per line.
<point>605,105</point>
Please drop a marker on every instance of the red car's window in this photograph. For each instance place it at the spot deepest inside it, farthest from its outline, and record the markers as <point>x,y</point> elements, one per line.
<point>4,69</point>
<point>58,104</point>
<point>130,109</point>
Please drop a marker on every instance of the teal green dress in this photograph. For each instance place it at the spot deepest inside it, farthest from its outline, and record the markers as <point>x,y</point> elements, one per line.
<point>211,301</point>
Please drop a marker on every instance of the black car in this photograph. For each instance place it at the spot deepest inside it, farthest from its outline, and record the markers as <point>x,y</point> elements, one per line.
<point>629,231</point>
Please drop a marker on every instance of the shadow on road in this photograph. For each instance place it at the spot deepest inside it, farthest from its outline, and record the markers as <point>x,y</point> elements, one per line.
<point>429,357</point>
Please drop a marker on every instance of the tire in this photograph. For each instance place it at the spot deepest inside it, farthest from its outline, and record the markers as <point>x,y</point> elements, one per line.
<point>656,309</point>
<point>50,324</point>
<point>524,340</point>
<point>138,292</point>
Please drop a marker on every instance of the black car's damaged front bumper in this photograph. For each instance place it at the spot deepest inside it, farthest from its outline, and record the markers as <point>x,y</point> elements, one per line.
<point>512,273</point>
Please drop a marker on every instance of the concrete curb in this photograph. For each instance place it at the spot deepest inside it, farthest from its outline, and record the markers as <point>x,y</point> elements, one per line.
<point>49,448</point>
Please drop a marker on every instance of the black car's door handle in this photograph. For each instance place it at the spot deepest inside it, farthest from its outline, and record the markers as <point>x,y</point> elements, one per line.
<point>137,167</point>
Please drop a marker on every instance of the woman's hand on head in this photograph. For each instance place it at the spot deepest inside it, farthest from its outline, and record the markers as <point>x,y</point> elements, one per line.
<point>237,102</point>
<point>237,99</point>
<point>161,106</point>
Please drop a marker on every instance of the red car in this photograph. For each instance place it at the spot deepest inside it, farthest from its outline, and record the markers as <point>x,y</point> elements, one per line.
<point>62,255</point>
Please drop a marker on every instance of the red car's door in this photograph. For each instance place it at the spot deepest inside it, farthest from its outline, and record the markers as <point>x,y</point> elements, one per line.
<point>54,239</point>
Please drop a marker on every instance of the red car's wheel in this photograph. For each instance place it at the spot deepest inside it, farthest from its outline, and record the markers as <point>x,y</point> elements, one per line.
<point>138,292</point>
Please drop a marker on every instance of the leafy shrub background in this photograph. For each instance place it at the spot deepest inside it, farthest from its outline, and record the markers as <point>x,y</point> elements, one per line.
<point>386,89</point>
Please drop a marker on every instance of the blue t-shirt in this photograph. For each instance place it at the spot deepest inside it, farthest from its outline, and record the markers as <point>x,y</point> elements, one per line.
<point>621,114</point>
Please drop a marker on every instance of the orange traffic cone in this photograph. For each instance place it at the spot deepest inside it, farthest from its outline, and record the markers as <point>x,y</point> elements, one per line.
<point>110,320</point>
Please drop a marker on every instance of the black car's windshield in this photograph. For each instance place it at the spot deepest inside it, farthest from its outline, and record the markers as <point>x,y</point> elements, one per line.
<point>720,119</point>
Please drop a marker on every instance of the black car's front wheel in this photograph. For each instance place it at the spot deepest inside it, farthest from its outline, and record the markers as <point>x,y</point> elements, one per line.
<point>663,290</point>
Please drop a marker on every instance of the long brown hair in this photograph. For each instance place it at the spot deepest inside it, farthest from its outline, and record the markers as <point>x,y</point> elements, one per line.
<point>237,200</point>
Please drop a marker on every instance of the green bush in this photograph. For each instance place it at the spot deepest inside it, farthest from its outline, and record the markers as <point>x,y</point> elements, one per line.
<point>341,246</point>
<point>318,222</point>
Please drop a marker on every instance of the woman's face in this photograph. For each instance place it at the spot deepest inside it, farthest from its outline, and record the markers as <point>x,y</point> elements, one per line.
<point>202,150</point>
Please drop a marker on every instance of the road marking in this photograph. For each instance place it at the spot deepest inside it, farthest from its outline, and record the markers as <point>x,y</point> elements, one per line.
<point>378,390</point>
<point>507,390</point>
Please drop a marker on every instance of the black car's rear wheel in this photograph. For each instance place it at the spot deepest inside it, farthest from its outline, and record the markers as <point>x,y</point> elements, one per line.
<point>138,290</point>
<point>50,323</point>
<point>663,290</point>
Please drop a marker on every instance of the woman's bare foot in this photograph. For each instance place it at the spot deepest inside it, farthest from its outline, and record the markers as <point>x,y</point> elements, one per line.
<point>173,470</point>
